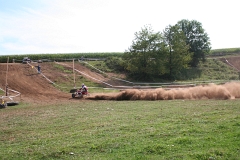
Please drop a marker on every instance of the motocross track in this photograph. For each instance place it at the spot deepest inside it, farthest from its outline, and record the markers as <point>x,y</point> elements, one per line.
<point>32,86</point>
<point>35,88</point>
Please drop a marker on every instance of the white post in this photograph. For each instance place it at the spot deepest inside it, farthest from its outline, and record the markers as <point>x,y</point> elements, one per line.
<point>7,78</point>
<point>74,75</point>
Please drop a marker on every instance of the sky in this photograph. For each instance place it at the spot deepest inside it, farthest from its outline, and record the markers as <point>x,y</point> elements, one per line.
<point>85,26</point>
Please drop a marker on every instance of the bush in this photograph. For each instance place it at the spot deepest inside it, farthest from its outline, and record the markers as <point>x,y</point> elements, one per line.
<point>115,63</point>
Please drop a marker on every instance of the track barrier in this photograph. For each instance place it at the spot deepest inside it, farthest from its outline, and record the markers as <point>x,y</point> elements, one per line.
<point>134,85</point>
<point>85,74</point>
<point>11,98</point>
<point>104,72</point>
<point>231,65</point>
<point>139,85</point>
<point>33,67</point>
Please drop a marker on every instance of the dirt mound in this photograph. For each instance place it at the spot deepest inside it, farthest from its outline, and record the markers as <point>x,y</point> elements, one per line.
<point>36,88</point>
<point>32,86</point>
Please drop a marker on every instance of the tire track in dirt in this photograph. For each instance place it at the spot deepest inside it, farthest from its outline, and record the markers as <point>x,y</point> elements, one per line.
<point>35,88</point>
<point>32,86</point>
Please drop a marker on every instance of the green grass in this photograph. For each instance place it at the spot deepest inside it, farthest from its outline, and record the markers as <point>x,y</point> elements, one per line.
<point>224,51</point>
<point>59,56</point>
<point>214,69</point>
<point>101,65</point>
<point>62,68</point>
<point>203,129</point>
<point>211,69</point>
<point>66,86</point>
<point>1,92</point>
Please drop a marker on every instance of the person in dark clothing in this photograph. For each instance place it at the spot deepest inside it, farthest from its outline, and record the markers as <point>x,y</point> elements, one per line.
<point>39,68</point>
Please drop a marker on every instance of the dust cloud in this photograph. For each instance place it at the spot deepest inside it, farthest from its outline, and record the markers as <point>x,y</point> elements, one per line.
<point>225,91</point>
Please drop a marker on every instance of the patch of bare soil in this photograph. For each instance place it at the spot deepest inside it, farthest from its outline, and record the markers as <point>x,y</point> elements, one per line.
<point>233,61</point>
<point>34,87</point>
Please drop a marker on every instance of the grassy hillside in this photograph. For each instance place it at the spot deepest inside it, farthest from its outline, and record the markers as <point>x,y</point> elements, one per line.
<point>214,69</point>
<point>211,70</point>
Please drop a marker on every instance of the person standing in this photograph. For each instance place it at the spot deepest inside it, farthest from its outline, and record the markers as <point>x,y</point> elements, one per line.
<point>39,68</point>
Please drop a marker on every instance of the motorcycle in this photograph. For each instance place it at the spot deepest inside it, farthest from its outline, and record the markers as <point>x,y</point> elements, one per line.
<point>80,93</point>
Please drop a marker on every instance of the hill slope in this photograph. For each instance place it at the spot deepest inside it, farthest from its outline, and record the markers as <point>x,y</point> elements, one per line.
<point>32,86</point>
<point>36,87</point>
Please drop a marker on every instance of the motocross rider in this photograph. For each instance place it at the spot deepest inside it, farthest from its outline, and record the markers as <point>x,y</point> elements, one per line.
<point>84,88</point>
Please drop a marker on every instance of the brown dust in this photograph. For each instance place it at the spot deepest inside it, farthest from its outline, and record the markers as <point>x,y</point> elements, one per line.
<point>226,91</point>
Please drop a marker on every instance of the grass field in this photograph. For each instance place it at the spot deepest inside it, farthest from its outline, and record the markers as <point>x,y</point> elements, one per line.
<point>178,129</point>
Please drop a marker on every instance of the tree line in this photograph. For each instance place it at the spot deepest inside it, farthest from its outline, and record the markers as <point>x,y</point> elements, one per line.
<point>166,54</point>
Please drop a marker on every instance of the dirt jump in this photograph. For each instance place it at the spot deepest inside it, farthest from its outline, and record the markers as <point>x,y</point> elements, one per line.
<point>40,88</point>
<point>32,86</point>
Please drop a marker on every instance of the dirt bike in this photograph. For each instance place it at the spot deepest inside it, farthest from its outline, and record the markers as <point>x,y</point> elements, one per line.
<point>80,93</point>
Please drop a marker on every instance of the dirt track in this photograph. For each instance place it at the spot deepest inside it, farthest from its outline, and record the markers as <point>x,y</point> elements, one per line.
<point>35,88</point>
<point>32,86</point>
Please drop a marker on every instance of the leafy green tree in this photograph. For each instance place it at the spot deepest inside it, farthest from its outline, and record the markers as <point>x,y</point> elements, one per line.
<point>178,55</point>
<point>115,63</point>
<point>143,56</point>
<point>197,39</point>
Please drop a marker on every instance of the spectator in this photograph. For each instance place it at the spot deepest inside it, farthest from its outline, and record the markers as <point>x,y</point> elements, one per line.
<point>39,68</point>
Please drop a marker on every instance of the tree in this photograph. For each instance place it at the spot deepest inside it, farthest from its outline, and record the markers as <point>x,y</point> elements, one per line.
<point>142,58</point>
<point>197,39</point>
<point>178,55</point>
<point>115,63</point>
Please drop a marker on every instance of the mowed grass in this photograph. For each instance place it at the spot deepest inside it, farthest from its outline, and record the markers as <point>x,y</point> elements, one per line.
<point>176,129</point>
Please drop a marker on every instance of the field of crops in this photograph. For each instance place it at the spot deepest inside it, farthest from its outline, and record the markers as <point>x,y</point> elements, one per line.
<point>224,52</point>
<point>62,56</point>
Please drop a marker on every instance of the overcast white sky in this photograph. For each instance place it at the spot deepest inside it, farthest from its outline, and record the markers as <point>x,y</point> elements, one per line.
<point>76,26</point>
